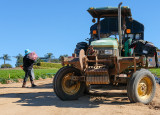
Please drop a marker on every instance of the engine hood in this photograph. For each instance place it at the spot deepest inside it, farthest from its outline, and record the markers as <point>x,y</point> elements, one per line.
<point>105,42</point>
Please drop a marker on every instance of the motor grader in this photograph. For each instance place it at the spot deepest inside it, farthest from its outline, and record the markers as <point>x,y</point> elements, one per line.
<point>108,58</point>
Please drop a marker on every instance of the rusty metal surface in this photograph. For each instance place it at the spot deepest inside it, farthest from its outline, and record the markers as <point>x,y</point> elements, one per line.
<point>101,60</point>
<point>97,80</point>
<point>78,78</point>
<point>129,61</point>
<point>97,76</point>
<point>72,61</point>
<point>134,61</point>
<point>96,68</point>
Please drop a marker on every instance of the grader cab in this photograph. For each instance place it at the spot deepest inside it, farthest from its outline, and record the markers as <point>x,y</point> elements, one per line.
<point>107,60</point>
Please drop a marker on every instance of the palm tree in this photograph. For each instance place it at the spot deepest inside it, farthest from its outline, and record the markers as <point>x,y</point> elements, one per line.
<point>5,57</point>
<point>19,61</point>
<point>49,56</point>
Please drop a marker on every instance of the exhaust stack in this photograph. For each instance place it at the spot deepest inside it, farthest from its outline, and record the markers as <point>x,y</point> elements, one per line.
<point>119,28</point>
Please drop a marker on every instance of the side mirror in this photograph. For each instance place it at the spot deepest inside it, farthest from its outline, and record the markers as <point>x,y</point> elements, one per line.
<point>87,39</point>
<point>93,20</point>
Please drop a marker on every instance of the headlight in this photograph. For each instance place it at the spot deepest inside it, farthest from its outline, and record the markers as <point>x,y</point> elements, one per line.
<point>108,52</point>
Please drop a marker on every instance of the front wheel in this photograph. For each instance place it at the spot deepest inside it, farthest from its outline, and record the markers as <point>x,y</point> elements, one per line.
<point>142,87</point>
<point>64,87</point>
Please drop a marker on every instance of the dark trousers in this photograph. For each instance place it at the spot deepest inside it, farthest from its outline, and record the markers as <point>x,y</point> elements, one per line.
<point>28,73</point>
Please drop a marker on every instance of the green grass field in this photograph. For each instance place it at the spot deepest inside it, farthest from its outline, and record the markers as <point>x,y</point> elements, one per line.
<point>40,73</point>
<point>19,74</point>
<point>156,71</point>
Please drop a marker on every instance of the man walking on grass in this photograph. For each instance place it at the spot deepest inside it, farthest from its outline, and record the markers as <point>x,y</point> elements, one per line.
<point>28,68</point>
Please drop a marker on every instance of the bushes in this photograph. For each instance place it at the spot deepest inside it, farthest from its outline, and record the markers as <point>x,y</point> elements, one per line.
<point>3,80</point>
<point>50,65</point>
<point>6,66</point>
<point>39,67</point>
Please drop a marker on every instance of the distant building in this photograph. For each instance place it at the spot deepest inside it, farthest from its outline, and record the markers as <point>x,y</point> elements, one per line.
<point>44,59</point>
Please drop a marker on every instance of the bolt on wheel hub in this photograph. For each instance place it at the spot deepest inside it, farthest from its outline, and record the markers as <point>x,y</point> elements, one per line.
<point>145,87</point>
<point>68,86</point>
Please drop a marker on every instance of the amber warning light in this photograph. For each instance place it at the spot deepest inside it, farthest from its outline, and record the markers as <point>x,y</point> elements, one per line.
<point>128,31</point>
<point>94,32</point>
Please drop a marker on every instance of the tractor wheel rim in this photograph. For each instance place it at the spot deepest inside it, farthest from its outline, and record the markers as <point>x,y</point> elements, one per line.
<point>145,88</point>
<point>70,89</point>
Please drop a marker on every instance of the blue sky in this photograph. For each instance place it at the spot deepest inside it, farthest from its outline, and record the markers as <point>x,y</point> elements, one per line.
<point>55,26</point>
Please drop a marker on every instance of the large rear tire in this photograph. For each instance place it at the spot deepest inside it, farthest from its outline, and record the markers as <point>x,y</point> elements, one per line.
<point>142,87</point>
<point>79,46</point>
<point>64,87</point>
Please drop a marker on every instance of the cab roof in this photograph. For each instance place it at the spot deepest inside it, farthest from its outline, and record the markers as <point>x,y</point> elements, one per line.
<point>109,12</point>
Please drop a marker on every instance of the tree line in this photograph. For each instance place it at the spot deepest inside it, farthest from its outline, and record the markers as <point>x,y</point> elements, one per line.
<point>49,57</point>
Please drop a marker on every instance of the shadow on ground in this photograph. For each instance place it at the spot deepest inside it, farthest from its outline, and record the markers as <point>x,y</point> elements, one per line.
<point>92,100</point>
<point>46,86</point>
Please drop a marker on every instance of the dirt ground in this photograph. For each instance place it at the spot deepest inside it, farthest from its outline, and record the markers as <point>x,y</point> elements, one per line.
<point>15,100</point>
